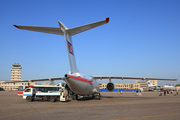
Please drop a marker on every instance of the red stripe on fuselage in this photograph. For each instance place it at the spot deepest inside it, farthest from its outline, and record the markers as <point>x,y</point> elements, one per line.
<point>81,79</point>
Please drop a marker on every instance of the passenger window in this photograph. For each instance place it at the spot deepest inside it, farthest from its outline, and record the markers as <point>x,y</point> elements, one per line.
<point>42,90</point>
<point>46,89</point>
<point>49,89</point>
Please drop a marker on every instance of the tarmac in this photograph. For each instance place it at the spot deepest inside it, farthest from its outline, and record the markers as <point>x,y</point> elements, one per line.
<point>112,106</point>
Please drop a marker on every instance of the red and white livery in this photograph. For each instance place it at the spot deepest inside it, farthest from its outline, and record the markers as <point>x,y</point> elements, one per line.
<point>77,83</point>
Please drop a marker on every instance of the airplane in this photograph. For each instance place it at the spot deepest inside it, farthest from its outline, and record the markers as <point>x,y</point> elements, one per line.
<point>169,87</point>
<point>150,85</point>
<point>76,82</point>
<point>162,88</point>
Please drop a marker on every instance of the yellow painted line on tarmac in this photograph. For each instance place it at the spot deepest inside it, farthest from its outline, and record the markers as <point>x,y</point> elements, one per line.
<point>147,116</point>
<point>26,112</point>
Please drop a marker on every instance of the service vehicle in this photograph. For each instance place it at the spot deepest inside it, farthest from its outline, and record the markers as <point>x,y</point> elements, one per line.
<point>30,94</point>
<point>40,88</point>
<point>21,89</point>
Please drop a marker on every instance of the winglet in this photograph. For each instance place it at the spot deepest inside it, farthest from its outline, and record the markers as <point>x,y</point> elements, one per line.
<point>107,20</point>
<point>16,26</point>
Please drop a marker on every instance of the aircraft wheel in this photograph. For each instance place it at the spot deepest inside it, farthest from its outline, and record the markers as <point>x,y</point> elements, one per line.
<point>93,97</point>
<point>74,97</point>
<point>99,97</point>
<point>96,97</point>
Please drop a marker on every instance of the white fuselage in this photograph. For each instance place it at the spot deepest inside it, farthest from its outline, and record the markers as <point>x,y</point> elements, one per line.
<point>166,87</point>
<point>82,85</point>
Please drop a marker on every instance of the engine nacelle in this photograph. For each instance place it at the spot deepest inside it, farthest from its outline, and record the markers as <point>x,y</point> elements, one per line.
<point>110,87</point>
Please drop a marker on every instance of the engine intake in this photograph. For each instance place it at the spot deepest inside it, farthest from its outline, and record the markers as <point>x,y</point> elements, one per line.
<point>66,75</point>
<point>110,87</point>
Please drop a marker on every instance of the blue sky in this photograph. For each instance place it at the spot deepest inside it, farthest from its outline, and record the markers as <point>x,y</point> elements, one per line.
<point>142,38</point>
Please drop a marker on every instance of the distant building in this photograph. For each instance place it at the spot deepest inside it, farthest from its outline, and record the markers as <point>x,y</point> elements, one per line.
<point>143,84</point>
<point>137,85</point>
<point>45,83</point>
<point>121,86</point>
<point>15,76</point>
<point>154,82</point>
<point>178,87</point>
<point>16,72</point>
<point>13,86</point>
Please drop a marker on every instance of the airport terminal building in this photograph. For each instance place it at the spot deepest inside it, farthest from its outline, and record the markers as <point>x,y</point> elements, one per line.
<point>15,76</point>
<point>137,85</point>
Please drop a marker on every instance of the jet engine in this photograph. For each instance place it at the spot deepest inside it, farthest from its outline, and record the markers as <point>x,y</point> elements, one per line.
<point>110,87</point>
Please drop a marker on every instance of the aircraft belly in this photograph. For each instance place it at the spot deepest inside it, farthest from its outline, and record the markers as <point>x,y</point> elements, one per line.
<point>79,87</point>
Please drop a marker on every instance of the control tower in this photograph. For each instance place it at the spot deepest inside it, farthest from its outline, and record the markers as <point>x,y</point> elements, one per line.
<point>16,72</point>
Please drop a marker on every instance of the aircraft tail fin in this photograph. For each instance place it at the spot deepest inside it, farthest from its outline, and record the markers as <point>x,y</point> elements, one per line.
<point>149,83</point>
<point>63,30</point>
<point>68,41</point>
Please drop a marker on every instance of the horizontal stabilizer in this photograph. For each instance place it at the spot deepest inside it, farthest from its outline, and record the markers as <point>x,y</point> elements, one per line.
<point>59,31</point>
<point>52,30</point>
<point>79,29</point>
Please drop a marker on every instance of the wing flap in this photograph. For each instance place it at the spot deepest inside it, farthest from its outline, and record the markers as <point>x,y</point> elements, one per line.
<point>52,30</point>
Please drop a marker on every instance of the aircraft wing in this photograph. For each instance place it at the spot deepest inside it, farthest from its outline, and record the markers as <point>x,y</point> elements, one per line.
<point>116,77</point>
<point>52,30</point>
<point>36,80</point>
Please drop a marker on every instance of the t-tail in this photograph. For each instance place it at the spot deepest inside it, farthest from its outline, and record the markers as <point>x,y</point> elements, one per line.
<point>69,48</point>
<point>63,30</point>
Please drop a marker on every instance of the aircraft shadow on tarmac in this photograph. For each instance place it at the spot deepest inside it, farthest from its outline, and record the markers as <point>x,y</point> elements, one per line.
<point>108,97</point>
<point>137,97</point>
<point>111,97</point>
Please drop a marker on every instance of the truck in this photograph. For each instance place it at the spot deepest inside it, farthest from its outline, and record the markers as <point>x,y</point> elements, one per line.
<point>30,94</point>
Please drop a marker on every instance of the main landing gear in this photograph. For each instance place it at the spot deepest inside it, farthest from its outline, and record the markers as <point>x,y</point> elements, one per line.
<point>96,96</point>
<point>75,97</point>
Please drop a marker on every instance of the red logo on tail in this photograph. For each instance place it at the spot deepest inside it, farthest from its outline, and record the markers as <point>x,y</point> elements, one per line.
<point>70,48</point>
